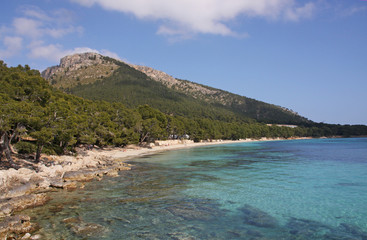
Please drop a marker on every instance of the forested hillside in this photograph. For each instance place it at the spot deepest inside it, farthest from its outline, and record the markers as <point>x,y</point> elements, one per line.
<point>136,85</point>
<point>36,118</point>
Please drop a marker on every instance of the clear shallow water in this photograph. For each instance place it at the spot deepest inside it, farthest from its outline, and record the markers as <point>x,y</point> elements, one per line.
<point>303,189</point>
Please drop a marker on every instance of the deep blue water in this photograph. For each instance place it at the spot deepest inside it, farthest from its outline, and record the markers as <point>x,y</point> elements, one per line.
<point>298,189</point>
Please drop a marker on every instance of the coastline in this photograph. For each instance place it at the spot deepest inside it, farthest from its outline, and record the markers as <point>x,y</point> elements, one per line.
<point>27,187</point>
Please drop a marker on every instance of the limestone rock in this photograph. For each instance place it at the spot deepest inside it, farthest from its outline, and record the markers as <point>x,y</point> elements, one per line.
<point>16,226</point>
<point>27,236</point>
<point>8,206</point>
<point>79,176</point>
<point>83,68</point>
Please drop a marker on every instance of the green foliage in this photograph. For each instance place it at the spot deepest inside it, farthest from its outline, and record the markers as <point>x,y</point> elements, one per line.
<point>25,147</point>
<point>58,122</point>
<point>133,88</point>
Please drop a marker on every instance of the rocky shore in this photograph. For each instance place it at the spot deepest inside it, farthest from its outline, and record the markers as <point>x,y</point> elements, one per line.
<point>28,186</point>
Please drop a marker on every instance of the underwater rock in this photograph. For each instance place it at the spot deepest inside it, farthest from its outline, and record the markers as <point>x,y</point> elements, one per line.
<point>83,229</point>
<point>56,208</point>
<point>256,217</point>
<point>254,233</point>
<point>87,229</point>
<point>233,234</point>
<point>71,220</point>
<point>180,236</point>
<point>16,226</point>
<point>346,232</point>
<point>194,211</point>
<point>354,230</point>
<point>306,229</point>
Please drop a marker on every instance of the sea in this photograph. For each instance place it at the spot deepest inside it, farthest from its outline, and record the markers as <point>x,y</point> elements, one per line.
<point>292,189</point>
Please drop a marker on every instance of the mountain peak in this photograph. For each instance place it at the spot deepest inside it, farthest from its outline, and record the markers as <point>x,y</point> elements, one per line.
<point>80,68</point>
<point>81,59</point>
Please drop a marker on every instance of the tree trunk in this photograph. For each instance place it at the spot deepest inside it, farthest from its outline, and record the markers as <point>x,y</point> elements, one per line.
<point>2,145</point>
<point>1,151</point>
<point>5,148</point>
<point>38,153</point>
<point>14,135</point>
<point>65,148</point>
<point>143,138</point>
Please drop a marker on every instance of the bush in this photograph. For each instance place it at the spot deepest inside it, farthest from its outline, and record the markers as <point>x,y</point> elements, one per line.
<point>25,147</point>
<point>49,151</point>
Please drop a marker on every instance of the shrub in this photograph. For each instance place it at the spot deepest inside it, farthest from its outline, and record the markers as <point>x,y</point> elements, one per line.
<point>25,147</point>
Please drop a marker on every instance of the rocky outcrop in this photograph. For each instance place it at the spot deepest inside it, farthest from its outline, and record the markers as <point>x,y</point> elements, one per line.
<point>17,227</point>
<point>74,62</point>
<point>187,87</point>
<point>25,188</point>
<point>9,206</point>
<point>83,68</point>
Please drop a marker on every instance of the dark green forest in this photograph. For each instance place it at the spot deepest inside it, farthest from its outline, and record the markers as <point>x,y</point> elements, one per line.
<point>36,118</point>
<point>133,88</point>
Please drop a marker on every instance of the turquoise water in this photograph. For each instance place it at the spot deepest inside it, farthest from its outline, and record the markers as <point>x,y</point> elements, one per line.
<point>298,189</point>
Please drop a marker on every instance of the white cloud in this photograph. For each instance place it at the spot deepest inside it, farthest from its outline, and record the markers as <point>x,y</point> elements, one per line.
<point>54,52</point>
<point>51,52</point>
<point>36,28</point>
<point>185,17</point>
<point>35,12</point>
<point>296,13</point>
<point>30,31</point>
<point>13,45</point>
<point>110,54</point>
<point>354,10</point>
<point>27,27</point>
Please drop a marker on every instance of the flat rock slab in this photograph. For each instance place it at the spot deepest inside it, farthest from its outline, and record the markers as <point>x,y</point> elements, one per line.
<point>8,206</point>
<point>19,190</point>
<point>89,175</point>
<point>79,176</point>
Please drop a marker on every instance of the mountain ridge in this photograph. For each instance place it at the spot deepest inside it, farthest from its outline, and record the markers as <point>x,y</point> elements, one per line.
<point>79,73</point>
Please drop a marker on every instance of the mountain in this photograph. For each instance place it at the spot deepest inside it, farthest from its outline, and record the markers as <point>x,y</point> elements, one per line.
<point>97,77</point>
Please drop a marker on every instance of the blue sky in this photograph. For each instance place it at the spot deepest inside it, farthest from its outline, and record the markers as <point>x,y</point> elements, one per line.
<point>307,55</point>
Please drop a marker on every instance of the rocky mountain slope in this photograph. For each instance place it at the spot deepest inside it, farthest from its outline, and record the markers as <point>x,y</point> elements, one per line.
<point>95,76</point>
<point>77,69</point>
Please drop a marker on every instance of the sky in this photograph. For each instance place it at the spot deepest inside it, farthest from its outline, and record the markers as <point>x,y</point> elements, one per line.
<point>306,55</point>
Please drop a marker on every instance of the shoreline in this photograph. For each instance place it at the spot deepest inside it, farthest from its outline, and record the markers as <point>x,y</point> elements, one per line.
<point>127,154</point>
<point>26,188</point>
